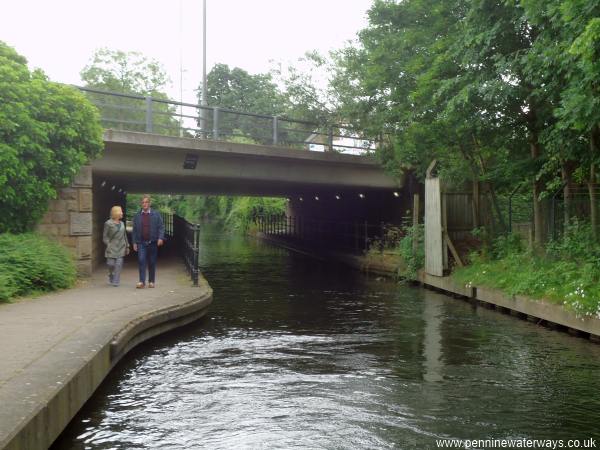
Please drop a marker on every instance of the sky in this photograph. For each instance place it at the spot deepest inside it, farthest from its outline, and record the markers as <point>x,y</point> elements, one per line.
<point>60,36</point>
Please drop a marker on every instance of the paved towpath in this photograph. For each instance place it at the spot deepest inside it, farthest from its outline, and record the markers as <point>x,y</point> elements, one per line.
<point>46,342</point>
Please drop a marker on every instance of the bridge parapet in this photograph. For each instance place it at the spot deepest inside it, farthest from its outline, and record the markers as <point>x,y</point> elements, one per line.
<point>132,112</point>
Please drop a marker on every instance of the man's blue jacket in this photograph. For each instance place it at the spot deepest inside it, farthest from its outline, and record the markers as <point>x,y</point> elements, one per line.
<point>157,228</point>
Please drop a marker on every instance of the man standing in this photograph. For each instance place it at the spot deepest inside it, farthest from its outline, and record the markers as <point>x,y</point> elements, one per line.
<point>148,234</point>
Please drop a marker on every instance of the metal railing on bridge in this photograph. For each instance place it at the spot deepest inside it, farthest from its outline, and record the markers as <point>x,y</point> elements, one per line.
<point>133,112</point>
<point>357,236</point>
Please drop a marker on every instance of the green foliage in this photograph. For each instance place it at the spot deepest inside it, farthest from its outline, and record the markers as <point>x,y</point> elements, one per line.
<point>506,245</point>
<point>413,260</point>
<point>47,132</point>
<point>30,263</point>
<point>576,244</point>
<point>569,272</point>
<point>235,213</point>
<point>237,90</point>
<point>300,86</point>
<point>245,209</point>
<point>130,73</point>
<point>500,92</point>
<point>127,72</point>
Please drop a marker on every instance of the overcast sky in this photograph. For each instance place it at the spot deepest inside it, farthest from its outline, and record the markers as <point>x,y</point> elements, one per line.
<point>60,36</point>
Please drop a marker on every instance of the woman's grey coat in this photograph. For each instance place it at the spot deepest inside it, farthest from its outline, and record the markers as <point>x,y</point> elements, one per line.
<point>115,239</point>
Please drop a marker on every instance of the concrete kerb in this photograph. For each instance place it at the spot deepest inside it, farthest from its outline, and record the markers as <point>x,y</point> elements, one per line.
<point>155,323</point>
<point>36,408</point>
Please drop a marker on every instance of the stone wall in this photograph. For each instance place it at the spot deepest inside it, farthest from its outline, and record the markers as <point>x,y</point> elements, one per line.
<point>69,220</point>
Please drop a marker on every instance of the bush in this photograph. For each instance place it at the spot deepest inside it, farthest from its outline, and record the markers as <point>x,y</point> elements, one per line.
<point>568,273</point>
<point>47,132</point>
<point>413,260</point>
<point>30,263</point>
<point>576,244</point>
<point>504,246</point>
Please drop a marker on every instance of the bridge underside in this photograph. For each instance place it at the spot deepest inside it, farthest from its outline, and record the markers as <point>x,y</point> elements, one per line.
<point>142,162</point>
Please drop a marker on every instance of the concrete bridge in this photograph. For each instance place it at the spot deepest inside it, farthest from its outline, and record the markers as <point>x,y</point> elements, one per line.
<point>318,184</point>
<point>140,162</point>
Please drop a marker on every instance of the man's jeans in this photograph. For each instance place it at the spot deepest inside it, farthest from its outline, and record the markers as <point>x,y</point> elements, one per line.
<point>147,252</point>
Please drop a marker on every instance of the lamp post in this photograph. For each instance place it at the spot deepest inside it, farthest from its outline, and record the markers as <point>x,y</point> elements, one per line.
<point>203,99</point>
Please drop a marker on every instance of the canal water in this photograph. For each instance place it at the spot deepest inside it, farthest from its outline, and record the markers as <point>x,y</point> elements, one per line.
<point>301,353</point>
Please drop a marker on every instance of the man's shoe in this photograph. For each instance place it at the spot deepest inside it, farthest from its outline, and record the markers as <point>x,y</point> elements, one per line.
<point>150,285</point>
<point>140,285</point>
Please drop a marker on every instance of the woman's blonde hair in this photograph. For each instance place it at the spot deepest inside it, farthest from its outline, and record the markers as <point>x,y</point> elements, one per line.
<point>114,211</point>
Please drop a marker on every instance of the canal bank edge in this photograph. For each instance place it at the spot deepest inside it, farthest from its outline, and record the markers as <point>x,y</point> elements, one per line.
<point>537,311</point>
<point>49,413</point>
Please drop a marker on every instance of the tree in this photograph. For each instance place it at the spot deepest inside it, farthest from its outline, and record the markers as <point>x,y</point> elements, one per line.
<point>306,88</point>
<point>579,109</point>
<point>459,81</point>
<point>130,73</point>
<point>47,132</point>
<point>407,80</point>
<point>237,90</point>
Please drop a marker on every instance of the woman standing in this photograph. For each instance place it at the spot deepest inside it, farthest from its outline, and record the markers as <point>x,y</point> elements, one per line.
<point>117,245</point>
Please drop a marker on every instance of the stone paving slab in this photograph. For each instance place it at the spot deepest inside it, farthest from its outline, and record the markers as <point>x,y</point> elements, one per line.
<point>56,349</point>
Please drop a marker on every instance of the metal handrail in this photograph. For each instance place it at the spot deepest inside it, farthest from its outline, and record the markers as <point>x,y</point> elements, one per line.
<point>358,236</point>
<point>187,239</point>
<point>274,133</point>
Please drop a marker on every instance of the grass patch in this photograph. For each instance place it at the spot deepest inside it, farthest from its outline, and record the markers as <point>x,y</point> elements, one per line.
<point>30,263</point>
<point>567,273</point>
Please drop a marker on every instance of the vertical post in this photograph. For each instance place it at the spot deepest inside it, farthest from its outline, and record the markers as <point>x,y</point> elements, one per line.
<point>204,84</point>
<point>330,139</point>
<point>216,124</point>
<point>444,231</point>
<point>149,114</point>
<point>275,132</point>
<point>196,252</point>
<point>356,236</point>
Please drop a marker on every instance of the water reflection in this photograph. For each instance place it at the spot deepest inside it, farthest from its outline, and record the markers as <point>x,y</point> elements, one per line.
<point>299,353</point>
<point>433,307</point>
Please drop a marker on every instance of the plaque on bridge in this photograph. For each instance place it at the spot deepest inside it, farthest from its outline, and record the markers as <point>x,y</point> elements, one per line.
<point>80,224</point>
